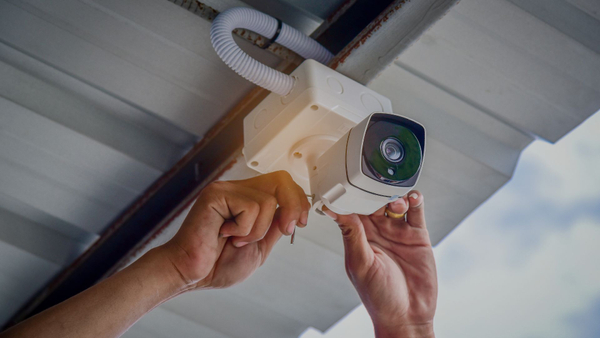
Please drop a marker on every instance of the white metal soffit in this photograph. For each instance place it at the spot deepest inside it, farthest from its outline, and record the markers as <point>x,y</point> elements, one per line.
<point>98,98</point>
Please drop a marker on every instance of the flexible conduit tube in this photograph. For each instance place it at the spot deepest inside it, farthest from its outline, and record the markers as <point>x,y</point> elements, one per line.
<point>265,25</point>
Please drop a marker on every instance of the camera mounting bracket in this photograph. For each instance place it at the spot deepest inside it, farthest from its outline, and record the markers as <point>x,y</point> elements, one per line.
<point>291,132</point>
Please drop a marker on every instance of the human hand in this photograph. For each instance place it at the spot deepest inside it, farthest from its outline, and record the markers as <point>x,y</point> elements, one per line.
<point>391,264</point>
<point>232,228</point>
<point>228,234</point>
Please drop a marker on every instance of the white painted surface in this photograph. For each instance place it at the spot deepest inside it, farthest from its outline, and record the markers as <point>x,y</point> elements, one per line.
<point>98,98</point>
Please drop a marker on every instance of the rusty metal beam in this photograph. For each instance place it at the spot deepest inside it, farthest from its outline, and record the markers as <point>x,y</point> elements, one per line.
<point>332,18</point>
<point>382,41</point>
<point>343,25</point>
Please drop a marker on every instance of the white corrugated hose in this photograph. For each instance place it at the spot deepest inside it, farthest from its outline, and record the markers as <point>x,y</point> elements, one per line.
<point>265,25</point>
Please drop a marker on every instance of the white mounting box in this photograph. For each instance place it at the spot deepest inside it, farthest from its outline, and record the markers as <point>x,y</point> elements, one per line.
<point>291,132</point>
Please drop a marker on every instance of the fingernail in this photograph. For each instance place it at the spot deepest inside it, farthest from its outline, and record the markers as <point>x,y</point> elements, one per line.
<point>240,244</point>
<point>414,196</point>
<point>304,217</point>
<point>225,235</point>
<point>291,227</point>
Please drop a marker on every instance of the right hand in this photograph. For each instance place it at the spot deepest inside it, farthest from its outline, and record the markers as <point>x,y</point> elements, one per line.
<point>390,262</point>
<point>232,228</point>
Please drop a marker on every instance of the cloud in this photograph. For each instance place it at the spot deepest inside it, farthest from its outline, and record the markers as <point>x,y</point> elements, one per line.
<point>586,322</point>
<point>571,166</point>
<point>532,300</point>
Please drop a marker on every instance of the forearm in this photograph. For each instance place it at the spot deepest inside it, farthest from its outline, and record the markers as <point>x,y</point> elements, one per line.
<point>109,308</point>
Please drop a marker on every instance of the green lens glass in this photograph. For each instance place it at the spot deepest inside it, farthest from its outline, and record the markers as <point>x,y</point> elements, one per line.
<point>392,151</point>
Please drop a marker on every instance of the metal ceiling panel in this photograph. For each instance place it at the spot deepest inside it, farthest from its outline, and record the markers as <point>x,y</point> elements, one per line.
<point>162,323</point>
<point>43,242</point>
<point>21,274</point>
<point>511,65</point>
<point>566,18</point>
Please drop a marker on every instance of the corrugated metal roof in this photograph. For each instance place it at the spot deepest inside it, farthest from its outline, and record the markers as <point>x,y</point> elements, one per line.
<point>98,98</point>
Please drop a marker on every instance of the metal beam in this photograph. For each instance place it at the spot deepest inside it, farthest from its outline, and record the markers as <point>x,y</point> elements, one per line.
<point>348,22</point>
<point>382,41</point>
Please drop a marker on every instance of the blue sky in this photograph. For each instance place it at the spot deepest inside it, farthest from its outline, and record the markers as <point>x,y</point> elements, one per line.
<point>525,264</point>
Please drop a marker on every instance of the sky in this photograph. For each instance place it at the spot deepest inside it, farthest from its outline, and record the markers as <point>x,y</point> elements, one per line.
<point>525,264</point>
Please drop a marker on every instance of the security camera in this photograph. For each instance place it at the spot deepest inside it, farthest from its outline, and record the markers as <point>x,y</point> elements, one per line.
<point>338,139</point>
<point>376,162</point>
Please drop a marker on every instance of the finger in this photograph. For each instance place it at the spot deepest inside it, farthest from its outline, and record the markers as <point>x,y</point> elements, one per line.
<point>380,211</point>
<point>358,252</point>
<point>292,202</point>
<point>229,228</point>
<point>399,231</point>
<point>267,206</point>
<point>217,204</point>
<point>290,196</point>
<point>389,228</point>
<point>266,244</point>
<point>415,216</point>
<point>230,208</point>
<point>305,205</point>
<point>301,198</point>
<point>241,226</point>
<point>244,211</point>
<point>400,206</point>
<point>288,218</point>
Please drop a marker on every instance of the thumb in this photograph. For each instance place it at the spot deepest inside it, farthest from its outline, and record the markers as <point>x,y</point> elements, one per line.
<point>358,252</point>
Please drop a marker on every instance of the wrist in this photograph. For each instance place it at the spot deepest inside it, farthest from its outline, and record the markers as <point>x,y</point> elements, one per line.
<point>167,278</point>
<point>424,330</point>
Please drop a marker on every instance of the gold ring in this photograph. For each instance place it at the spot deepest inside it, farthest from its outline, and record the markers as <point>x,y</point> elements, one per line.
<point>392,214</point>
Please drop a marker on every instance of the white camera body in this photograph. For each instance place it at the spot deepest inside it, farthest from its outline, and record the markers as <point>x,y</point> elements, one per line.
<point>316,133</point>
<point>344,182</point>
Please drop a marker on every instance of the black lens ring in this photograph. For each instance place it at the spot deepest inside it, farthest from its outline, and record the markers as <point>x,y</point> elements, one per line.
<point>375,165</point>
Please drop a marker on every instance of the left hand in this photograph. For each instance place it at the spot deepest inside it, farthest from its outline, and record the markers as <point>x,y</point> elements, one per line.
<point>232,228</point>
<point>391,264</point>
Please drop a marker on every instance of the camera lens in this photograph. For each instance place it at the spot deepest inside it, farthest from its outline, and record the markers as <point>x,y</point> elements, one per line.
<point>392,150</point>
